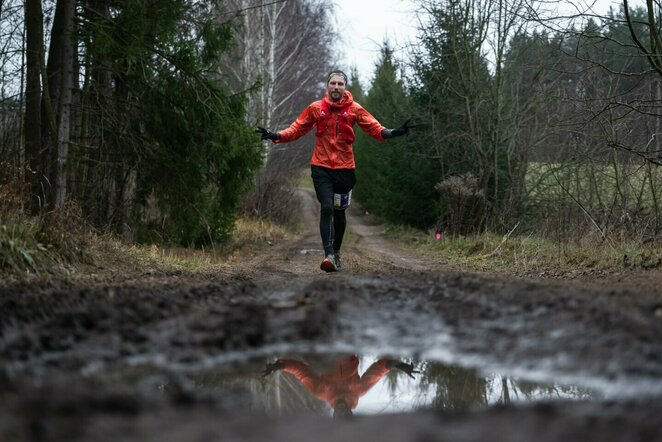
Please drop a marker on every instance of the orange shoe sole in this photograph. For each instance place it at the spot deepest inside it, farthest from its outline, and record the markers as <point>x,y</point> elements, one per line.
<point>328,266</point>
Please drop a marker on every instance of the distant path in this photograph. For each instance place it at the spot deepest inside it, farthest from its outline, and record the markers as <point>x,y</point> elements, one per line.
<point>366,249</point>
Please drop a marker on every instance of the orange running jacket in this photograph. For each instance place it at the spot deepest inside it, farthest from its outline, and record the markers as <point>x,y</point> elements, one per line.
<point>341,382</point>
<point>333,146</point>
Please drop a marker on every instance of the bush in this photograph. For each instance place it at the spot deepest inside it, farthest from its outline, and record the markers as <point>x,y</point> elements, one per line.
<point>272,198</point>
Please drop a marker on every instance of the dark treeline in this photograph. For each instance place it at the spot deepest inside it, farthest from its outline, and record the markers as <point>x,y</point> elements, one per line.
<point>139,114</point>
<point>518,125</point>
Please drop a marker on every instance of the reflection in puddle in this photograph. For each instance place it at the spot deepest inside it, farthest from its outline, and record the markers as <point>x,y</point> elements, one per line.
<point>367,385</point>
<point>341,386</point>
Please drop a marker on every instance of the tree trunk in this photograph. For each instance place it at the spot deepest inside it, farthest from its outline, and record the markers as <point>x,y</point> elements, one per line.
<point>505,392</point>
<point>60,83</point>
<point>657,84</point>
<point>270,68</point>
<point>66,65</point>
<point>128,196</point>
<point>270,72</point>
<point>32,126</point>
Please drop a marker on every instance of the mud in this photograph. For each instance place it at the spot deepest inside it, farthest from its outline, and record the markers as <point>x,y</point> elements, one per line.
<point>63,341</point>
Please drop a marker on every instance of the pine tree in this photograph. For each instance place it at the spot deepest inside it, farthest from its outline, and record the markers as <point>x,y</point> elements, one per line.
<point>354,85</point>
<point>161,123</point>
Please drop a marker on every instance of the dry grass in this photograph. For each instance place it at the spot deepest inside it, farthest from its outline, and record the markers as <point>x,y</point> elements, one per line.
<point>19,249</point>
<point>49,243</point>
<point>530,254</point>
<point>31,246</point>
<point>305,180</point>
<point>248,233</point>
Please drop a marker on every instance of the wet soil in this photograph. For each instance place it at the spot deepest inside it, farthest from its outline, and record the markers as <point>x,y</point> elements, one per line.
<point>61,340</point>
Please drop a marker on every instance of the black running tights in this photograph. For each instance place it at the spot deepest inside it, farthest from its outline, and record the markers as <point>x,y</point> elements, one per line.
<point>332,221</point>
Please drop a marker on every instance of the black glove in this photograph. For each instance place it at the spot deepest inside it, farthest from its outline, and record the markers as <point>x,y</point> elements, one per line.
<point>402,130</point>
<point>266,135</point>
<point>405,368</point>
<point>270,368</point>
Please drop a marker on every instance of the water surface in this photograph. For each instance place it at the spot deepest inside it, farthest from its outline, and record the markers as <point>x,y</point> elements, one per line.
<point>313,382</point>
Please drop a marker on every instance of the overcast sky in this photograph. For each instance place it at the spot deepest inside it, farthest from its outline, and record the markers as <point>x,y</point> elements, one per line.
<point>364,24</point>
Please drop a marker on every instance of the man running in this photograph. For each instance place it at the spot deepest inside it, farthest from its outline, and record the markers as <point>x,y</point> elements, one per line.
<point>332,164</point>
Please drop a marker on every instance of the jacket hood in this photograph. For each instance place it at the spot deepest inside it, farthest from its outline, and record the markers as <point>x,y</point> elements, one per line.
<point>346,99</point>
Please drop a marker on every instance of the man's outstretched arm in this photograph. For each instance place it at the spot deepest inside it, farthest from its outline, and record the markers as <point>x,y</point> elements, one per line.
<point>373,128</point>
<point>298,129</point>
<point>402,130</point>
<point>408,369</point>
<point>299,370</point>
<point>373,375</point>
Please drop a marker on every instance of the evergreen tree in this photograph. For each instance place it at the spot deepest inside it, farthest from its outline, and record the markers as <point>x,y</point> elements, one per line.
<point>166,126</point>
<point>464,120</point>
<point>354,85</point>
<point>394,181</point>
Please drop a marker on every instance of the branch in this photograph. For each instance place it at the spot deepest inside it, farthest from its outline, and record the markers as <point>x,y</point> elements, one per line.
<point>503,241</point>
<point>657,162</point>
<point>239,11</point>
<point>655,36</point>
<point>650,58</point>
<point>583,209</point>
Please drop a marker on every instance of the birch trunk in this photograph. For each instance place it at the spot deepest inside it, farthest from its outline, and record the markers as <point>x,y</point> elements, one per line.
<point>271,69</point>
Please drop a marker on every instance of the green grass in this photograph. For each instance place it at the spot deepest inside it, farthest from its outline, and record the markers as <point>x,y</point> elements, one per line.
<point>30,245</point>
<point>598,187</point>
<point>20,251</point>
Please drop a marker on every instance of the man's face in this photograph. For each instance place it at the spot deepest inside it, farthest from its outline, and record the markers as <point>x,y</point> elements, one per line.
<point>336,87</point>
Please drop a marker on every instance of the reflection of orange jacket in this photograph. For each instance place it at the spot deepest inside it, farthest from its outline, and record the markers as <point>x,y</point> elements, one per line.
<point>341,382</point>
<point>332,149</point>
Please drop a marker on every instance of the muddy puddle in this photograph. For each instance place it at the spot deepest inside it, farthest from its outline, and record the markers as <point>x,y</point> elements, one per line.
<point>367,384</point>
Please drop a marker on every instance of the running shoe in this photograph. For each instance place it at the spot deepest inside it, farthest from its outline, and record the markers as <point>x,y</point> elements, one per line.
<point>329,264</point>
<point>336,257</point>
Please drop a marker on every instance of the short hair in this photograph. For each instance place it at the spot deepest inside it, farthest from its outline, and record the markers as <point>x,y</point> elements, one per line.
<point>336,72</point>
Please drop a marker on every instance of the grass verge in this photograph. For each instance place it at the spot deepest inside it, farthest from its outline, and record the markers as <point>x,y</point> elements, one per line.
<point>528,254</point>
<point>31,245</point>
<point>63,244</point>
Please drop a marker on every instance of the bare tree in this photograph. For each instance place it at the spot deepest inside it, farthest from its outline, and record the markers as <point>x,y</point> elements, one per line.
<point>12,78</point>
<point>281,56</point>
<point>652,50</point>
<point>282,52</point>
<point>469,41</point>
<point>606,119</point>
<point>48,94</point>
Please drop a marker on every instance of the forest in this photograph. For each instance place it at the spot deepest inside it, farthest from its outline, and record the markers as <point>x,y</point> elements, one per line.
<point>137,117</point>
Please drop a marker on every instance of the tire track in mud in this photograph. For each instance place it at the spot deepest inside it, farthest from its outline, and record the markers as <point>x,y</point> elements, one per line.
<point>67,321</point>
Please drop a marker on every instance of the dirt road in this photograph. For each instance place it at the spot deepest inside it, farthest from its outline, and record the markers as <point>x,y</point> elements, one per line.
<point>63,344</point>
